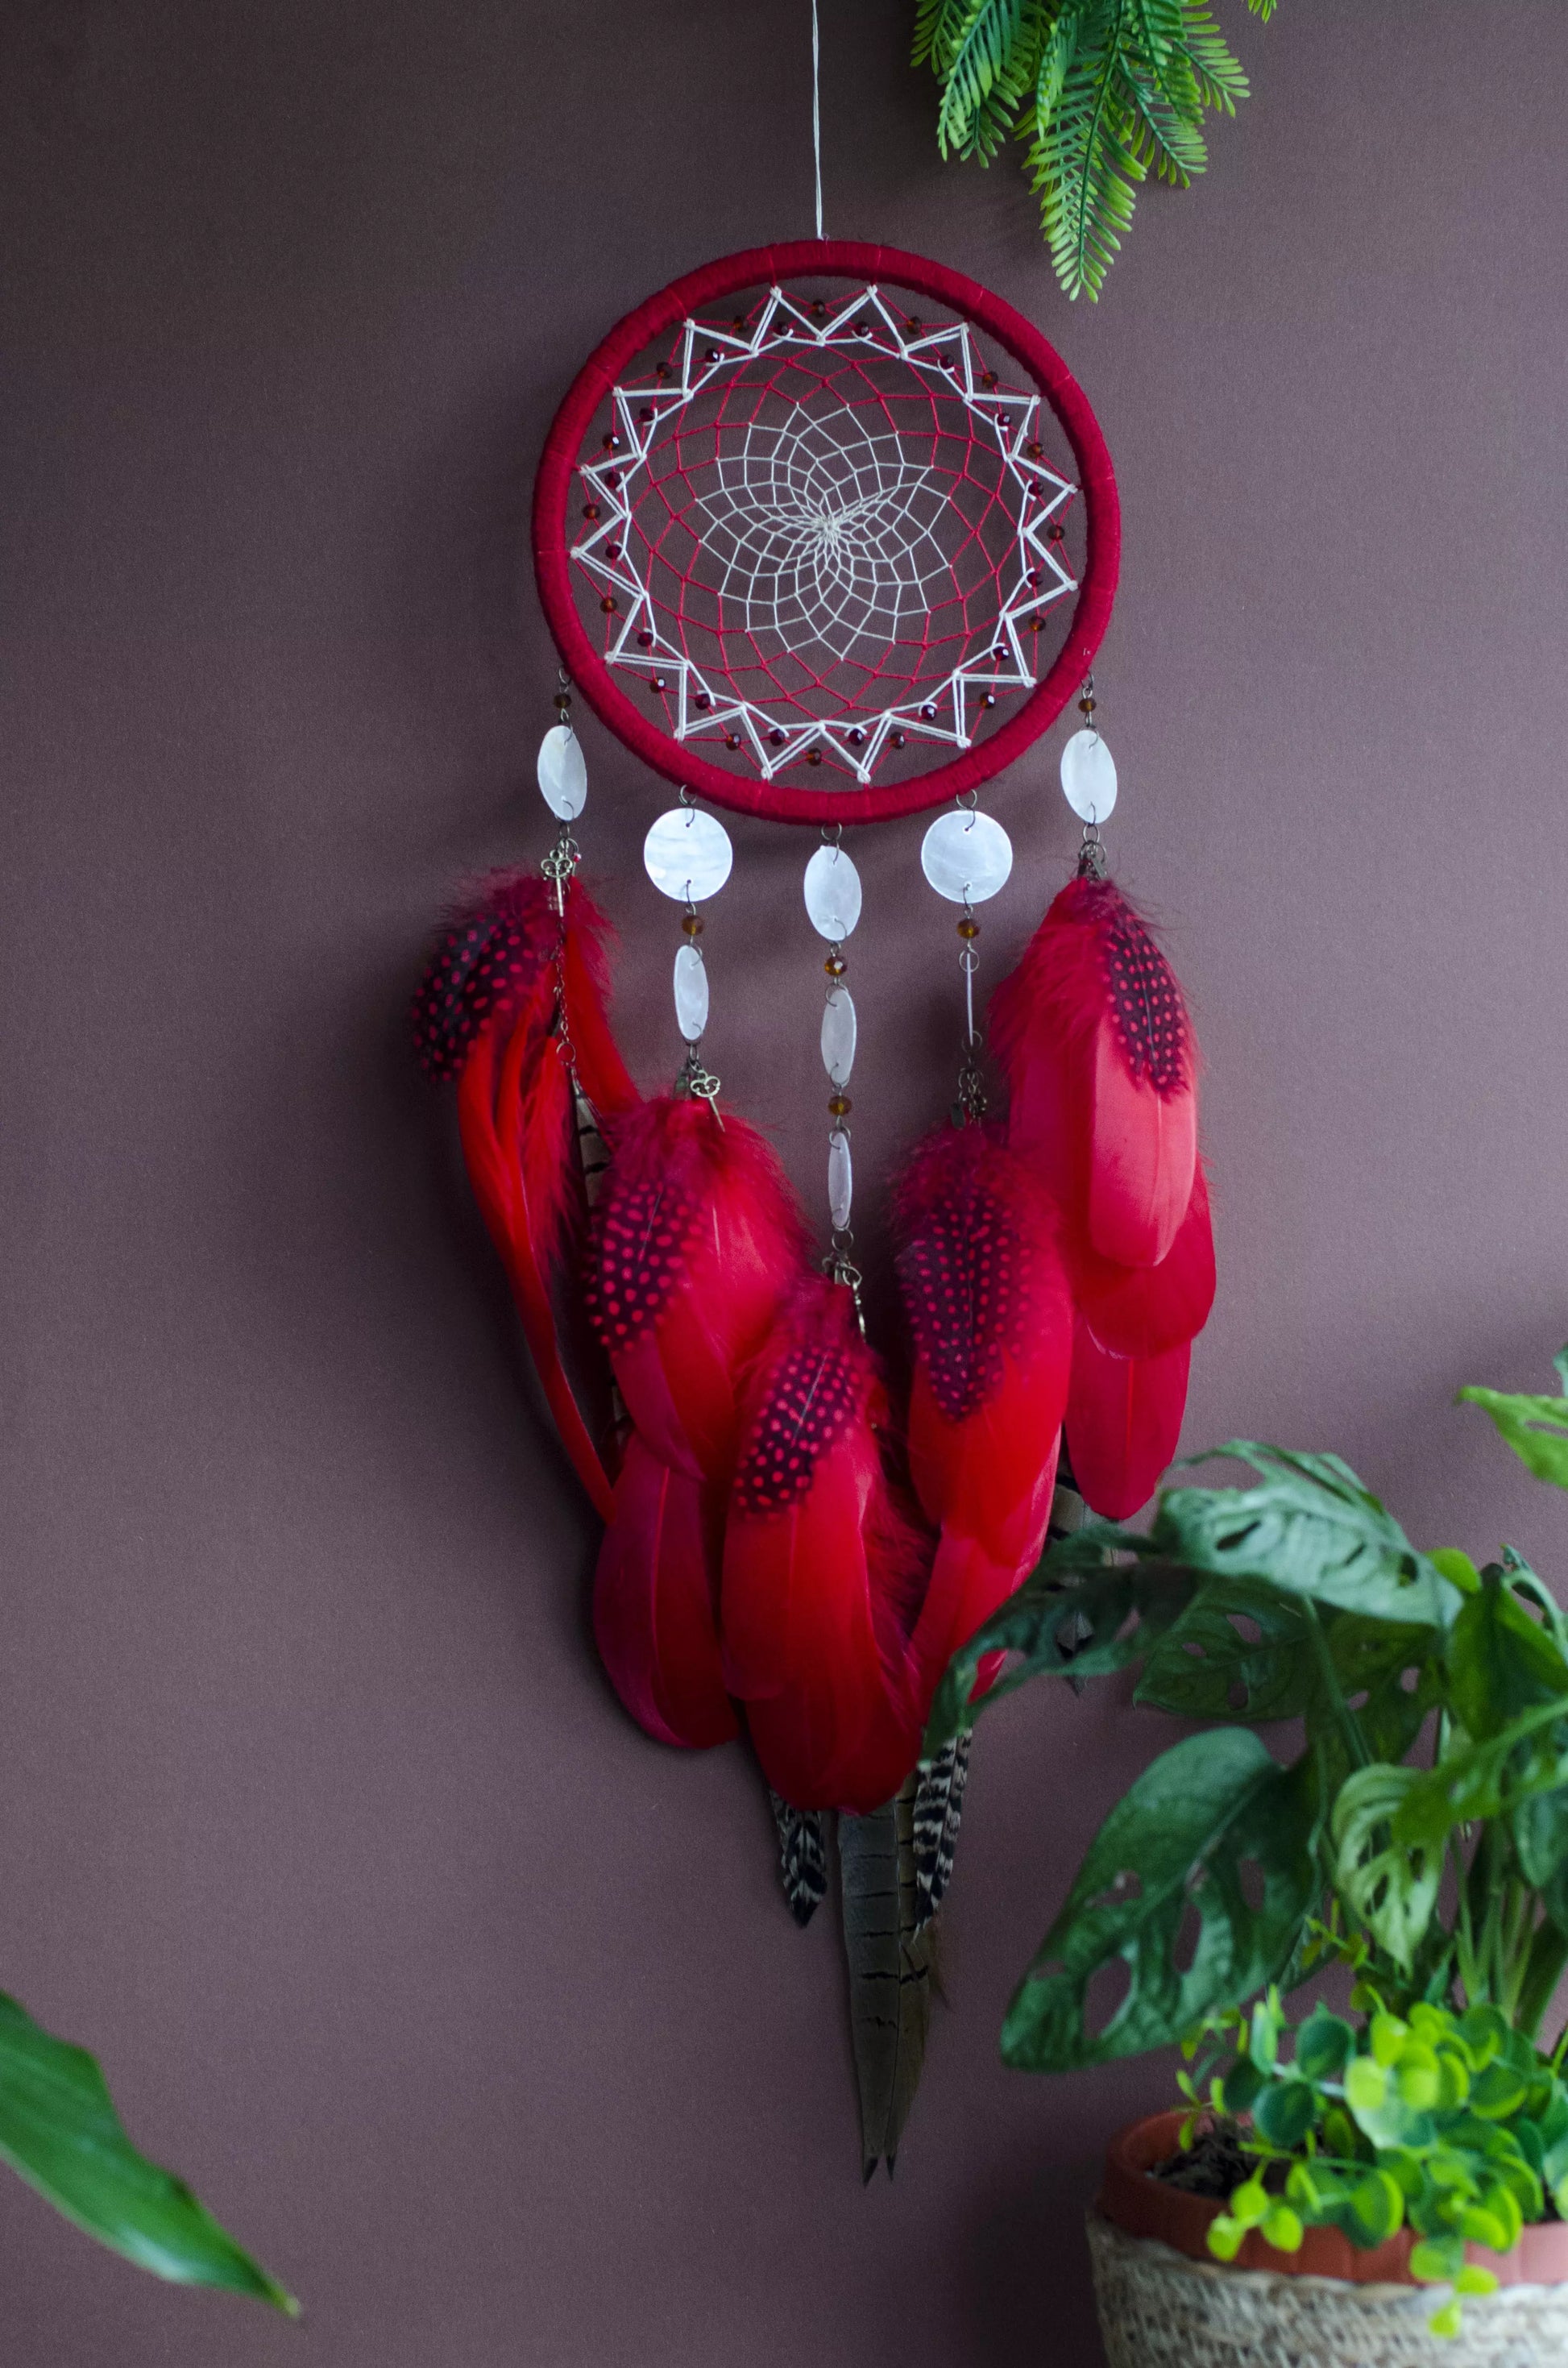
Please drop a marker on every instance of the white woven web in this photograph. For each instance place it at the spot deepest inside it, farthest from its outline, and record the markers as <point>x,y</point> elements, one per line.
<point>820,535</point>
<point>825,532</point>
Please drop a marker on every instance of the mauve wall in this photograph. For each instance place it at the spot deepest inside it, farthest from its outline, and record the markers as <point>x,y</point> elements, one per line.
<point>478,2015</point>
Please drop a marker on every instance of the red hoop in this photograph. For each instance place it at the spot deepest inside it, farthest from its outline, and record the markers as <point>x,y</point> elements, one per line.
<point>844,260</point>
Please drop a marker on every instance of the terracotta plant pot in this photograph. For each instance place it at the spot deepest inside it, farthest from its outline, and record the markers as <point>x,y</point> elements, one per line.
<point>1167,2303</point>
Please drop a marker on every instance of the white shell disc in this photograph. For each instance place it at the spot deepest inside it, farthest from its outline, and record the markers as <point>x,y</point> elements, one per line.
<point>832,894</point>
<point>1088,777</point>
<point>966,856</point>
<point>840,1179</point>
<point>691,993</point>
<point>563,774</point>
<point>687,853</point>
<point>838,1030</point>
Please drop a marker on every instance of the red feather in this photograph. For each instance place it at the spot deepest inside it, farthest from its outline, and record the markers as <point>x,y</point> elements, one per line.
<point>819,1569</point>
<point>653,1603</point>
<point>1093,1038</point>
<point>697,1240</point>
<point>988,1302</point>
<point>1123,1422</point>
<point>1141,1311</point>
<point>487,1014</point>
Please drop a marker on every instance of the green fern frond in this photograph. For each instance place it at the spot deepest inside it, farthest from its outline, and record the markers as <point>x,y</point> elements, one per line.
<point>1169,142</point>
<point>1105,92</point>
<point>937,24</point>
<point>1220,79</point>
<point>993,64</point>
<point>1085,161</point>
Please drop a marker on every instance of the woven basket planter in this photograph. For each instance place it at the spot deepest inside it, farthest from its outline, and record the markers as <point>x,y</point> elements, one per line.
<point>1164,2303</point>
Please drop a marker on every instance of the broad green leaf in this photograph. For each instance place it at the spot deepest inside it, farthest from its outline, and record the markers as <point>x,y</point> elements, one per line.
<point>1097,1623</point>
<point>1206,1665</point>
<point>1500,1661</point>
<point>1389,1885</point>
<point>1535,1428</point>
<point>1182,1838</point>
<point>59,2129</point>
<point>1479,1781</point>
<point>1284,2111</point>
<point>1308,1528</point>
<point>1325,2044</point>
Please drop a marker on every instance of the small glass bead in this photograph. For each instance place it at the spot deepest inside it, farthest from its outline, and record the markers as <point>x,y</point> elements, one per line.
<point>835,966</point>
<point>968,928</point>
<point>609,605</point>
<point>840,1106</point>
<point>691,924</point>
<point>590,511</point>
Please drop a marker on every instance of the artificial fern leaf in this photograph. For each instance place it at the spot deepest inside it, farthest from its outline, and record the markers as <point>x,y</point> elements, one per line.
<point>1086,160</point>
<point>992,64</point>
<point>937,27</point>
<point>1172,143</point>
<point>1105,92</point>
<point>1220,79</point>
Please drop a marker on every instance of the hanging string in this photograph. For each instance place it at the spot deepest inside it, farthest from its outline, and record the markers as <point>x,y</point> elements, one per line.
<point>816,108</point>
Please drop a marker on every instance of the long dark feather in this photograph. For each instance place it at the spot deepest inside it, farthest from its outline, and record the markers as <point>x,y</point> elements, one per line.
<point>890,1961</point>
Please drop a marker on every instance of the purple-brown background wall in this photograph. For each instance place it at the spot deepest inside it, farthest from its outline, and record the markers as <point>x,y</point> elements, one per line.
<point>478,2015</point>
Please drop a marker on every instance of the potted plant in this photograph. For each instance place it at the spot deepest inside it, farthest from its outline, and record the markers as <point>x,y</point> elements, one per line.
<point>1404,1846</point>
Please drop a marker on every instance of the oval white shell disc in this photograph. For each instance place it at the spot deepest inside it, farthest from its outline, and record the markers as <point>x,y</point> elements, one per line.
<point>838,1032</point>
<point>1088,777</point>
<point>687,853</point>
<point>563,774</point>
<point>832,894</point>
<point>691,993</point>
<point>966,856</point>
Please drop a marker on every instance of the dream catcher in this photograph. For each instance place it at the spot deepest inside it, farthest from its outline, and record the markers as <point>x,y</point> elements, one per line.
<point>828,534</point>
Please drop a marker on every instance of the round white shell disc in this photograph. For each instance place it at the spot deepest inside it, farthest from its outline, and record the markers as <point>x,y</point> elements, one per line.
<point>687,854</point>
<point>832,894</point>
<point>1088,777</point>
<point>563,774</point>
<point>966,856</point>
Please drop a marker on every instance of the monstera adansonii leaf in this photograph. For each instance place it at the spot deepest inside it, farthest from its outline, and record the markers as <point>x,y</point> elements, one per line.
<point>1217,1836</point>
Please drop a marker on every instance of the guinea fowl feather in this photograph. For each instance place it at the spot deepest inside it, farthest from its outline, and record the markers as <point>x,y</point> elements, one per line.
<point>486,1014</point>
<point>819,1566</point>
<point>1092,1034</point>
<point>986,1292</point>
<point>697,1241</point>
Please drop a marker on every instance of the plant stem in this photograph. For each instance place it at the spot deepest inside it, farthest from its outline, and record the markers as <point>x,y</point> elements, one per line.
<point>1348,1723</point>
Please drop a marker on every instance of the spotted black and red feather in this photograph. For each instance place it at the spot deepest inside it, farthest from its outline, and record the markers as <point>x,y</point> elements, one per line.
<point>814,1395</point>
<point>1151,1015</point>
<point>488,960</point>
<point>963,1265</point>
<point>642,1234</point>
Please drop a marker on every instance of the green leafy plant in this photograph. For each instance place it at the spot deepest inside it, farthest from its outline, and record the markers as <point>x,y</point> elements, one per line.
<point>60,2131</point>
<point>1418,1837</point>
<point>1102,92</point>
<point>1450,2125</point>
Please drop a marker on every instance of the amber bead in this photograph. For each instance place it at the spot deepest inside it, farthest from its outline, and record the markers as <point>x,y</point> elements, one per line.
<point>609,605</point>
<point>840,1106</point>
<point>813,756</point>
<point>969,926</point>
<point>1085,707</point>
<point>835,966</point>
<point>590,511</point>
<point>691,925</point>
